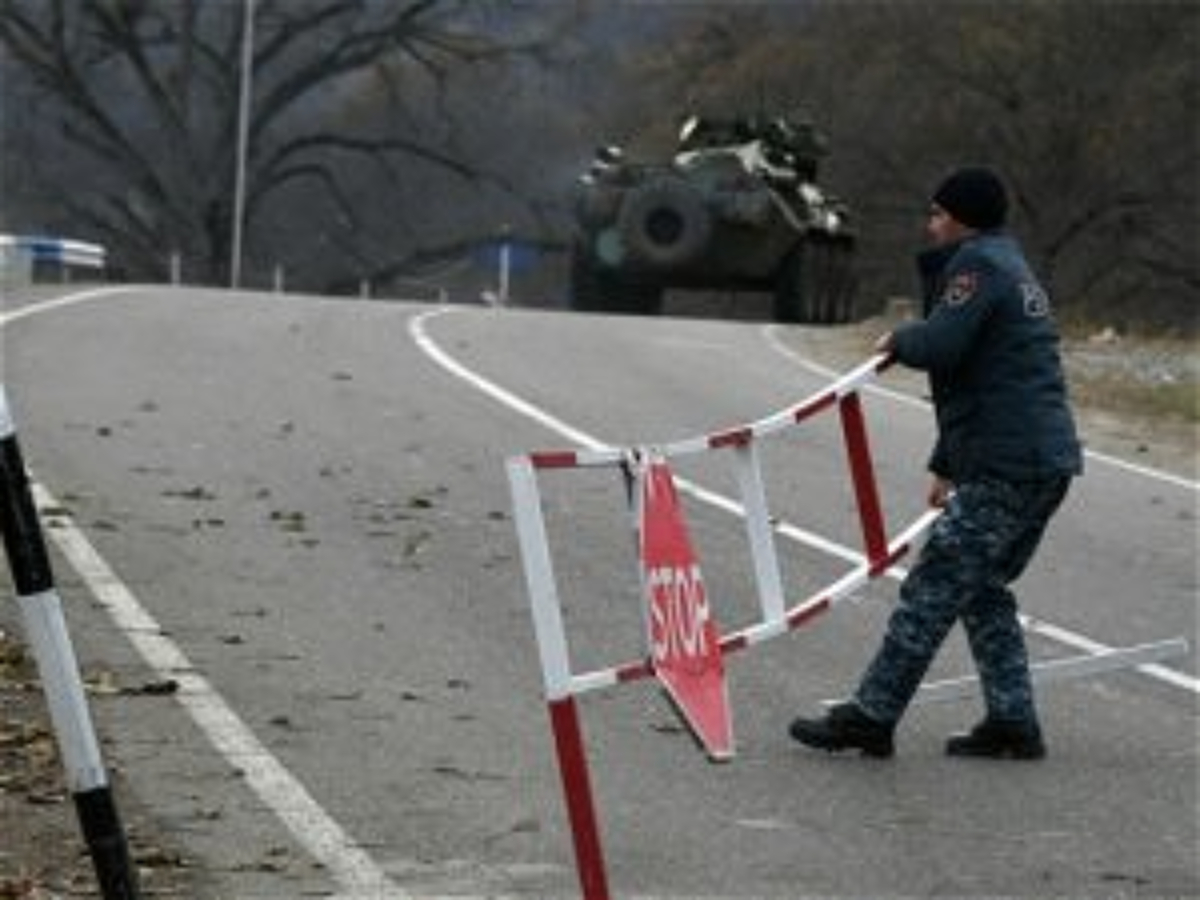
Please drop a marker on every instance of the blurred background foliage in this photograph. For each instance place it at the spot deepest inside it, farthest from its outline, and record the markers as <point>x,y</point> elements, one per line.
<point>393,142</point>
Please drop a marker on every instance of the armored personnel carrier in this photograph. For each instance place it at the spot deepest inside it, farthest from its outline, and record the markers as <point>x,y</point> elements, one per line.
<point>736,208</point>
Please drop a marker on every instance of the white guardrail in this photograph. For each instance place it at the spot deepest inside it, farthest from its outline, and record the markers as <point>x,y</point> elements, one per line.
<point>20,255</point>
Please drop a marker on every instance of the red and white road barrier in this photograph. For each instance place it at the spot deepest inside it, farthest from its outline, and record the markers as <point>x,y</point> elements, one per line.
<point>41,611</point>
<point>684,647</point>
<point>1109,659</point>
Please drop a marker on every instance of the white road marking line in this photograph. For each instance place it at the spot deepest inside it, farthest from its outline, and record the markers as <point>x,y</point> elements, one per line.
<point>347,864</point>
<point>1046,629</point>
<point>1080,642</point>
<point>45,306</point>
<point>577,436</point>
<point>420,334</point>
<point>771,335</point>
<point>358,875</point>
<point>314,830</point>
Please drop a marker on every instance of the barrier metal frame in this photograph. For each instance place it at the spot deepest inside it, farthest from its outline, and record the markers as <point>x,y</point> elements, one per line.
<point>562,685</point>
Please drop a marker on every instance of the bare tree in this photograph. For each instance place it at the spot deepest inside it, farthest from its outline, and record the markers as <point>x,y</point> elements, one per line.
<point>1089,110</point>
<point>1084,108</point>
<point>137,106</point>
<point>390,132</point>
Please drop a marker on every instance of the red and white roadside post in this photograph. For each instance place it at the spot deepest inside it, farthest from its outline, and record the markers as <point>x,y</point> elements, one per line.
<point>556,676</point>
<point>46,629</point>
<point>862,474</point>
<point>684,645</point>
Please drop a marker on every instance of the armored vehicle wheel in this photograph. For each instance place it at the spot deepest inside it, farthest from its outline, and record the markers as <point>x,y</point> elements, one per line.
<point>598,205</point>
<point>795,289</point>
<point>664,223</point>
<point>816,283</point>
<point>826,301</point>
<point>845,281</point>
<point>595,289</point>
<point>837,281</point>
<point>736,207</point>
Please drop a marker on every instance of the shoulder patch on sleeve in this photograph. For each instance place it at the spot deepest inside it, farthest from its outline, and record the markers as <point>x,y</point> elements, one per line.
<point>961,287</point>
<point>1037,303</point>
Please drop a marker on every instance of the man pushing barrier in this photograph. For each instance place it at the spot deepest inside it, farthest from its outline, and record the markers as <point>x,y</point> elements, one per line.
<point>1005,454</point>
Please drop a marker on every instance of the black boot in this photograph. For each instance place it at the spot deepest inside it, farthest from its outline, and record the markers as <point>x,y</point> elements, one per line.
<point>997,739</point>
<point>845,727</point>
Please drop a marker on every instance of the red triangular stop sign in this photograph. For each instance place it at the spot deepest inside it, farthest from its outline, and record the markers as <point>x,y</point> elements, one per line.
<point>685,648</point>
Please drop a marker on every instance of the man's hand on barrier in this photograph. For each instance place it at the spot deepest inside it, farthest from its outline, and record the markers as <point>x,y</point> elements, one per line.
<point>886,343</point>
<point>939,492</point>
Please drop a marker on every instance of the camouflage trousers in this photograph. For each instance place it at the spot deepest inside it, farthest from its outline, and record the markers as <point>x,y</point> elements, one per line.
<point>980,545</point>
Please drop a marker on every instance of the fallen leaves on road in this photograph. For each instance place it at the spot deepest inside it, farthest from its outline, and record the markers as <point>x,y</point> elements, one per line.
<point>20,889</point>
<point>42,855</point>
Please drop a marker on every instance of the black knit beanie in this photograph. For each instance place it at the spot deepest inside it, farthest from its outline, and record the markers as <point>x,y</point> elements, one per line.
<point>975,196</point>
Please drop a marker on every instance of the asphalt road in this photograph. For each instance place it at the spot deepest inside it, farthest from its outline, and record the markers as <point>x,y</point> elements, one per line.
<point>304,518</point>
